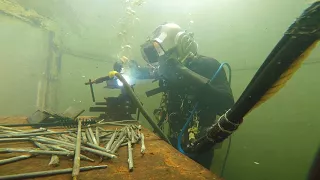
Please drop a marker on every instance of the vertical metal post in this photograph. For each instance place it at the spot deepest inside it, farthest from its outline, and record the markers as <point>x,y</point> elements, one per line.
<point>52,72</point>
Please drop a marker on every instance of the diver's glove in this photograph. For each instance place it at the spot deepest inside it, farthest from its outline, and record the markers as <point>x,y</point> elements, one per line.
<point>132,64</point>
<point>169,69</point>
<point>117,66</point>
<point>200,145</point>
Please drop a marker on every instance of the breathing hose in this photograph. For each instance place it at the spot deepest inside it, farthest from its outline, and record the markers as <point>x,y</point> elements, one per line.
<point>196,106</point>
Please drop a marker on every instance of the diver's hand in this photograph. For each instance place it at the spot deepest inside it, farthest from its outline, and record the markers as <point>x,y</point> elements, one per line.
<point>117,66</point>
<point>169,69</point>
<point>200,145</point>
<point>132,65</point>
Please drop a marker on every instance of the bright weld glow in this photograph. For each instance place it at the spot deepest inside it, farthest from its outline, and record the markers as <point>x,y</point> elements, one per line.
<point>127,78</point>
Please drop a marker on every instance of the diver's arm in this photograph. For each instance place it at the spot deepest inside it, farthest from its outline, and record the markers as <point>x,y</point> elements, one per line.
<point>145,73</point>
<point>217,95</point>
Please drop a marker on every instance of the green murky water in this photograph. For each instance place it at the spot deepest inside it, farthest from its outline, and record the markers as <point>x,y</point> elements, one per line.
<point>277,141</point>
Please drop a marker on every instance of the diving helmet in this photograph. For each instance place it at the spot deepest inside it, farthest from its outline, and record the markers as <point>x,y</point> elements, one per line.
<point>167,39</point>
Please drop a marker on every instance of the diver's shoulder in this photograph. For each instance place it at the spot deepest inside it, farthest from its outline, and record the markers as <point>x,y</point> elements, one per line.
<point>207,59</point>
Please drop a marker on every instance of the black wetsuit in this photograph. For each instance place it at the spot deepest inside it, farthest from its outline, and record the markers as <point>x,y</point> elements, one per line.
<point>183,96</point>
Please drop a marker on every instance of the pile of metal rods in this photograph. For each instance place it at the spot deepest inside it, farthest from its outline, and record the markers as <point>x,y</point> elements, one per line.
<point>71,143</point>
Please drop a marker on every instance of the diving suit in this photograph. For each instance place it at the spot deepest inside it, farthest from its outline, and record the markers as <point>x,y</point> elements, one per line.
<point>184,79</point>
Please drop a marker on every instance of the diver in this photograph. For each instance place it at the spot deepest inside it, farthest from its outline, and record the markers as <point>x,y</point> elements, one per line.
<point>185,79</point>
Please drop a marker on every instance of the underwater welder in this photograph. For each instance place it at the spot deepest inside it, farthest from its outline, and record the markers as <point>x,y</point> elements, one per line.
<point>195,87</point>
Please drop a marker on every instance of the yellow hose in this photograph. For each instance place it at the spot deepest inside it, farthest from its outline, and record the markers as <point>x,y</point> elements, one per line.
<point>286,75</point>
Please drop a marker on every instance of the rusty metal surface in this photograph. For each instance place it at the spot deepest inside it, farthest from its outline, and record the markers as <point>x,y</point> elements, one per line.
<point>161,161</point>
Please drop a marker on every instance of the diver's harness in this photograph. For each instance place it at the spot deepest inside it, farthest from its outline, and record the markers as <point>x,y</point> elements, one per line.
<point>179,105</point>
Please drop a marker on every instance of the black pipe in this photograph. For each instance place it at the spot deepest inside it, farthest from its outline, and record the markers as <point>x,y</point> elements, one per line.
<point>135,99</point>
